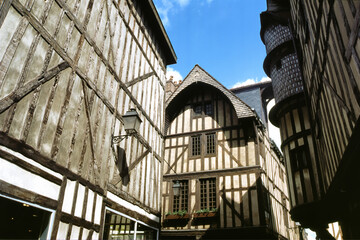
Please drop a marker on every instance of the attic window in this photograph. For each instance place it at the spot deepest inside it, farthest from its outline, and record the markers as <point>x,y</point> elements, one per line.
<point>197,109</point>
<point>209,109</point>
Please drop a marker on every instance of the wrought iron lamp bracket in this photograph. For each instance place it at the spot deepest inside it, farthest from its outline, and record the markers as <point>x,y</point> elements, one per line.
<point>118,139</point>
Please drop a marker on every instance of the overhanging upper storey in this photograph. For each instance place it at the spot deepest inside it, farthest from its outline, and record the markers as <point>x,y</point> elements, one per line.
<point>199,76</point>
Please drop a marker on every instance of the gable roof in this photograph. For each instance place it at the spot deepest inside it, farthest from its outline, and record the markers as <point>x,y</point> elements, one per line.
<point>199,75</point>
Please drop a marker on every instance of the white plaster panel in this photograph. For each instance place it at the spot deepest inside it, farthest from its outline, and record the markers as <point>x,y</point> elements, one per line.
<point>79,201</point>
<point>24,179</point>
<point>95,235</point>
<point>8,29</point>
<point>85,233</point>
<point>75,232</point>
<point>244,182</point>
<point>30,161</point>
<point>62,231</point>
<point>89,207</point>
<point>69,196</point>
<point>98,209</point>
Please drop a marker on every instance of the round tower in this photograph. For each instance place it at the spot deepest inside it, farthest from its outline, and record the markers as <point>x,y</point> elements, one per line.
<point>290,113</point>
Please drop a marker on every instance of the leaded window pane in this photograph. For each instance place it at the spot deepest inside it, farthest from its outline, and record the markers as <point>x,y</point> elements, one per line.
<point>197,110</point>
<point>208,193</point>
<point>195,146</point>
<point>210,143</point>
<point>209,109</point>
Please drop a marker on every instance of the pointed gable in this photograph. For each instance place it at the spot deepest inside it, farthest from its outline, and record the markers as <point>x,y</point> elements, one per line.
<point>199,75</point>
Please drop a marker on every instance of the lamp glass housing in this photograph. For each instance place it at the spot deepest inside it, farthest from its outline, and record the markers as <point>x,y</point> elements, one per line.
<point>176,188</point>
<point>132,121</point>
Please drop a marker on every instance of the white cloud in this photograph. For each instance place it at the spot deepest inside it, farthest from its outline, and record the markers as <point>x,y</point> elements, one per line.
<point>250,81</point>
<point>167,7</point>
<point>174,73</point>
<point>265,79</point>
<point>245,83</point>
<point>183,3</point>
<point>163,7</point>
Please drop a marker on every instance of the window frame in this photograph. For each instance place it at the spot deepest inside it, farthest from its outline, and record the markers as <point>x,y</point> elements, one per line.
<point>199,147</point>
<point>203,109</point>
<point>296,163</point>
<point>157,230</point>
<point>203,145</point>
<point>210,192</point>
<point>51,212</point>
<point>206,153</point>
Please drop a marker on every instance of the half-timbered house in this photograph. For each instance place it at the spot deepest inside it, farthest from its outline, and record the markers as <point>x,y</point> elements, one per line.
<point>69,71</point>
<point>313,59</point>
<point>231,177</point>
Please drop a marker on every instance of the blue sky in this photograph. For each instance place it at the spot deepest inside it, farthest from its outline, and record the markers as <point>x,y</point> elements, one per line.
<point>222,36</point>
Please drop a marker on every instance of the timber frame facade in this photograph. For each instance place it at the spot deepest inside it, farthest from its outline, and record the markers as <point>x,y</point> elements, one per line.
<point>325,40</point>
<point>69,70</point>
<point>233,181</point>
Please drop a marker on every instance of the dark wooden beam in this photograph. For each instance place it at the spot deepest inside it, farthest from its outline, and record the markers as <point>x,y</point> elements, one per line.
<point>21,92</point>
<point>139,79</point>
<point>218,172</point>
<point>67,218</point>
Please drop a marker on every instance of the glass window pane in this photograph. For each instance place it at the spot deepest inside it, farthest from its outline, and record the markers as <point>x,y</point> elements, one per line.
<point>195,146</point>
<point>118,227</point>
<point>210,143</point>
<point>209,109</point>
<point>145,233</point>
<point>197,110</point>
<point>22,221</point>
<point>208,193</point>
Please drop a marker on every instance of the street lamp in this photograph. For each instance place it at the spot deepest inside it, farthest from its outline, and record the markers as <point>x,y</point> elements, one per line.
<point>176,188</point>
<point>132,123</point>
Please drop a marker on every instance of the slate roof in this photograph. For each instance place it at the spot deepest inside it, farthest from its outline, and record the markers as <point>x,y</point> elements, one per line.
<point>197,74</point>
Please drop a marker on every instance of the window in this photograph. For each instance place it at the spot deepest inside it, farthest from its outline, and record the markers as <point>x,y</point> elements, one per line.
<point>210,143</point>
<point>298,158</point>
<point>195,145</point>
<point>181,202</point>
<point>119,226</point>
<point>208,193</point>
<point>197,110</point>
<point>145,233</point>
<point>206,109</point>
<point>209,109</point>
<point>23,220</point>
